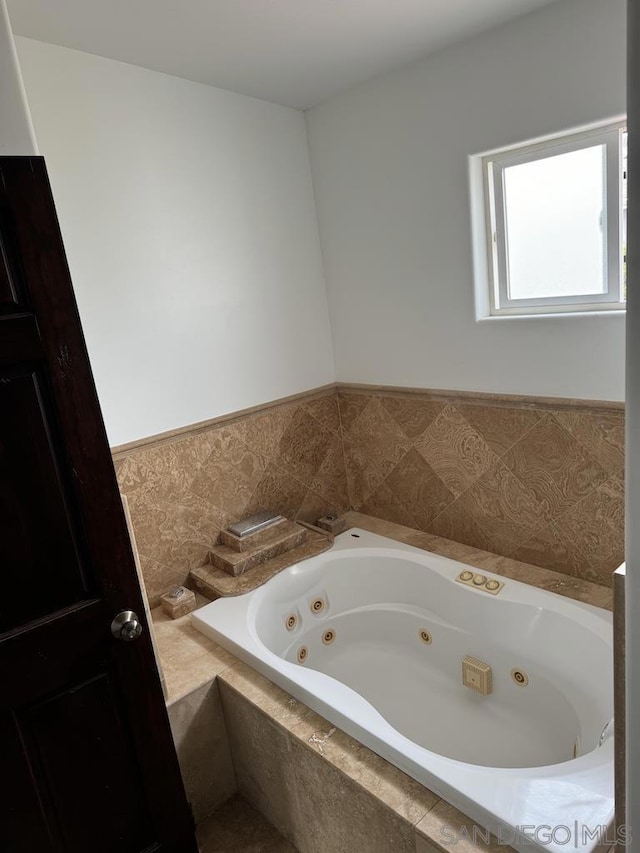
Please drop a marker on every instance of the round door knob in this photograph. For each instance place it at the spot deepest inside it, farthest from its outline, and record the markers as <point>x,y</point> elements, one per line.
<point>126,626</point>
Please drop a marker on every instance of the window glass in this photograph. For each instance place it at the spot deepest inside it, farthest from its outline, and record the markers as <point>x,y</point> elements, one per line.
<point>555,223</point>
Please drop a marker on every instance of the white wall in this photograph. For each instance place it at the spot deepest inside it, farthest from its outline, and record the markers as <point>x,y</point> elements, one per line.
<point>389,162</point>
<point>16,130</point>
<point>190,227</point>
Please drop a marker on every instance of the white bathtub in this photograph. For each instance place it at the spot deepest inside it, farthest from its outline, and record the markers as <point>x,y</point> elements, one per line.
<point>384,650</point>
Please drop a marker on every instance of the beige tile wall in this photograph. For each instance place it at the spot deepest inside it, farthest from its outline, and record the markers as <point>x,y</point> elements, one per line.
<point>540,481</point>
<point>183,489</point>
<point>537,480</point>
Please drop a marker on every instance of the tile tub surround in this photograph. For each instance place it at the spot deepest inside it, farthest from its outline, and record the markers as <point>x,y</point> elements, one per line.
<point>195,710</point>
<point>536,479</point>
<point>184,487</point>
<point>320,788</point>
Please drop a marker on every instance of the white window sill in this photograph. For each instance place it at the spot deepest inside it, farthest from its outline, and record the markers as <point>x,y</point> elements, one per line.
<point>553,315</point>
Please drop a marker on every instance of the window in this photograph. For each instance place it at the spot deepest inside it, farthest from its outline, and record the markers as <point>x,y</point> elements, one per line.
<point>552,224</point>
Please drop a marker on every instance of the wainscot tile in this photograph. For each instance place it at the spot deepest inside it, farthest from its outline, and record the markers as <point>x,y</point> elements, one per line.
<point>379,436</point>
<point>419,489</point>
<point>412,415</point>
<point>350,406</point>
<point>550,462</point>
<point>500,426</point>
<point>455,451</point>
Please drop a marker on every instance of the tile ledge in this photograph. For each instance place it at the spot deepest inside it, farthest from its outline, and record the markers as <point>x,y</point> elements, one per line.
<point>518,400</point>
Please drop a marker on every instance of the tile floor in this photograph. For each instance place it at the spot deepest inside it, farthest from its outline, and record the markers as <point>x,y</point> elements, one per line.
<point>238,828</point>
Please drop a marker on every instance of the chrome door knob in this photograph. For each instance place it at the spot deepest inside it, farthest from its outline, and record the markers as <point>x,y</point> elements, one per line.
<point>126,626</point>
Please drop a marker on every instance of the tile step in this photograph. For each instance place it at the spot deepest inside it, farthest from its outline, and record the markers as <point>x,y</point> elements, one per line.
<point>283,537</point>
<point>214,583</point>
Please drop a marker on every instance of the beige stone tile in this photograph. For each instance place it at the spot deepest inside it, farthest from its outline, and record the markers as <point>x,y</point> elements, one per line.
<point>457,524</point>
<point>325,410</point>
<point>399,792</point>
<point>447,829</point>
<point>262,753</point>
<point>134,478</point>
<point>183,678</point>
<point>168,476</point>
<point>554,550</point>
<point>596,525</point>
<point>350,406</point>
<point>185,648</point>
<point>413,415</point>
<point>159,579</point>
<point>363,477</point>
<point>200,736</point>
<point>504,508</point>
<point>314,506</point>
<point>455,450</point>
<point>188,658</point>
<point>263,431</point>
<point>330,479</point>
<point>228,477</point>
<point>336,814</point>
<point>550,462</point>
<point>194,450</point>
<point>500,426</point>
<point>419,489</point>
<point>164,624</point>
<point>468,554</point>
<point>379,437</point>
<point>601,433</point>
<point>278,492</point>
<point>384,504</point>
<point>239,828</point>
<point>192,526</point>
<point>177,533</point>
<point>278,705</point>
<point>216,583</point>
<point>304,446</point>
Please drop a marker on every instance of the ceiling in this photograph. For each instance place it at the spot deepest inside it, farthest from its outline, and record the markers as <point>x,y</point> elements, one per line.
<point>293,52</point>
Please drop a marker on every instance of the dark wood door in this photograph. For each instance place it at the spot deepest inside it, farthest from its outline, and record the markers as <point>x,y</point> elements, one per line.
<point>87,758</point>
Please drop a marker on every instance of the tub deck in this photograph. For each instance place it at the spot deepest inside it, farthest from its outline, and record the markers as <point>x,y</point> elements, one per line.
<point>398,808</point>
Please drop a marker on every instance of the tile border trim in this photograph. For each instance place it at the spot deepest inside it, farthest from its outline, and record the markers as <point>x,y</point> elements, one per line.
<point>120,451</point>
<point>518,400</point>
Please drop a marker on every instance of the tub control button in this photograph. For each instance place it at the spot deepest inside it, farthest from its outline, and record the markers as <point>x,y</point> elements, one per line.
<point>466,576</point>
<point>479,580</point>
<point>490,585</point>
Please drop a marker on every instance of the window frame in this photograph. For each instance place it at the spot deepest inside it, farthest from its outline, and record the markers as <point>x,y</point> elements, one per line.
<point>493,165</point>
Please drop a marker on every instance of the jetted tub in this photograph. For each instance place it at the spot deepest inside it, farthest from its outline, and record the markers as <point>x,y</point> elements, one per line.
<point>372,635</point>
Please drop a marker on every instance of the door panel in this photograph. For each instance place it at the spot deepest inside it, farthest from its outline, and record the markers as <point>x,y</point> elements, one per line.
<point>23,828</point>
<point>84,733</point>
<point>72,732</point>
<point>36,530</point>
<point>12,292</point>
